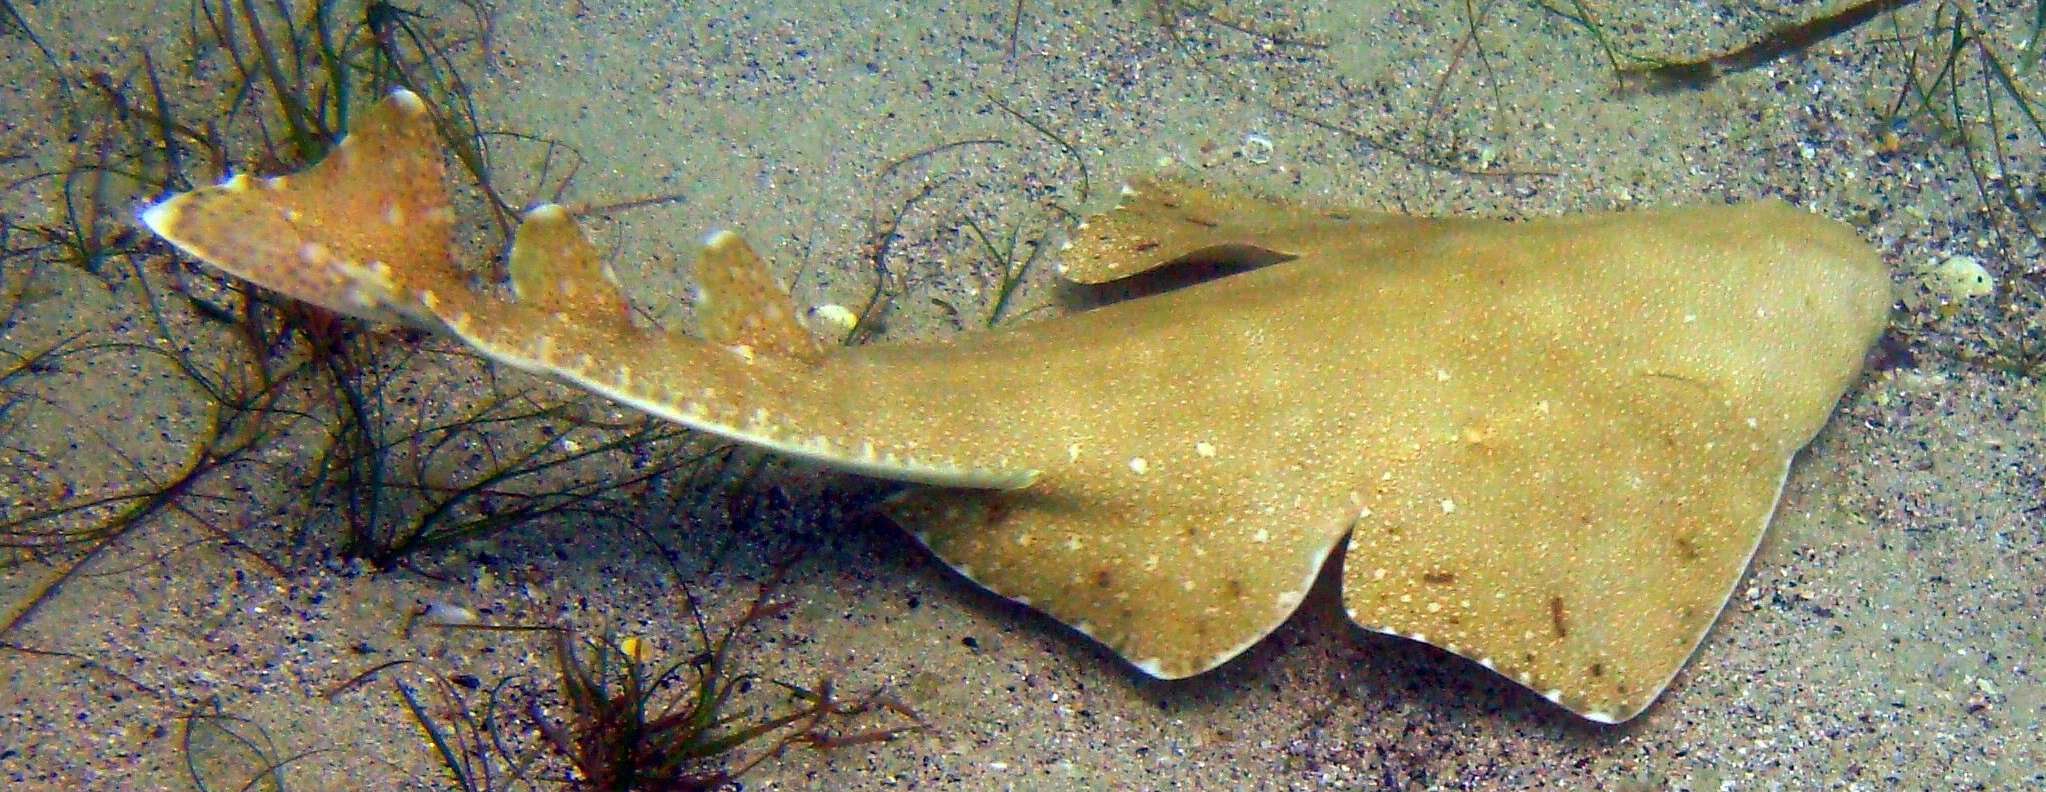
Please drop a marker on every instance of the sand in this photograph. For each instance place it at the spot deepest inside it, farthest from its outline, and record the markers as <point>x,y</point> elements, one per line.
<point>1886,636</point>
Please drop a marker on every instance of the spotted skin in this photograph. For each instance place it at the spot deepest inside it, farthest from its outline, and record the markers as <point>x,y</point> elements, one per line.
<point>1553,445</point>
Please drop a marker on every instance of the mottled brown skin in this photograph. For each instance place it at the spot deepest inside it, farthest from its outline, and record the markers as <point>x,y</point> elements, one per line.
<point>1554,444</point>
<point>1557,442</point>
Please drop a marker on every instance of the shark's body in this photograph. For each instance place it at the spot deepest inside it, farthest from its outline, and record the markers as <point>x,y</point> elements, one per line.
<point>1554,444</point>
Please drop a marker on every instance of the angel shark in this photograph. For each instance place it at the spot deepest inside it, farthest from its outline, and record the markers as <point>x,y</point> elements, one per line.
<point>1553,445</point>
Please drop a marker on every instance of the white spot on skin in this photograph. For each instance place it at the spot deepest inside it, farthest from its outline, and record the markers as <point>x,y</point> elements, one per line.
<point>1138,465</point>
<point>1152,666</point>
<point>1378,574</point>
<point>1441,375</point>
<point>1436,607</point>
<point>1448,506</point>
<point>1204,448</point>
<point>1262,536</point>
<point>1151,563</point>
<point>1554,696</point>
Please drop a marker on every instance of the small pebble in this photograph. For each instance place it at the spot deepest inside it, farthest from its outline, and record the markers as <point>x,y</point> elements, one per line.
<point>447,615</point>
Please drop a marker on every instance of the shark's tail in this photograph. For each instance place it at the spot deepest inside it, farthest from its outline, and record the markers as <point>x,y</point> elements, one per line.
<point>368,232</point>
<point>363,233</point>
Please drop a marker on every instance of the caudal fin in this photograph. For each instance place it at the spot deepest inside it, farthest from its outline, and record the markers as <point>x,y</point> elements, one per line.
<point>366,232</point>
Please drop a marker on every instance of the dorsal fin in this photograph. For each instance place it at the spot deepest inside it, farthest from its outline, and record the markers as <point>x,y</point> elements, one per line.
<point>365,232</point>
<point>555,268</point>
<point>741,305</point>
<point>1165,222</point>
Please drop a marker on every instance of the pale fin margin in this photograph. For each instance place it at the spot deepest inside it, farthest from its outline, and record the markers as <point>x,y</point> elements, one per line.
<point>1170,606</point>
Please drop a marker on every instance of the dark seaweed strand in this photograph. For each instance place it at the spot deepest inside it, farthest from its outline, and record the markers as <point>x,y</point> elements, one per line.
<point>1698,74</point>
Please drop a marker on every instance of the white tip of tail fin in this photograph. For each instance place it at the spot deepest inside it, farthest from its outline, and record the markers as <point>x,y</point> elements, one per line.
<point>547,212</point>
<point>408,100</point>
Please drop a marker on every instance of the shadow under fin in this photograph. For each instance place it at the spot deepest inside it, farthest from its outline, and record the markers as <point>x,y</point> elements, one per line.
<point>1161,223</point>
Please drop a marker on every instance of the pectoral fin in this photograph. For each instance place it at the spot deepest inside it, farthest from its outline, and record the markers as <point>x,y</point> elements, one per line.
<point>1161,223</point>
